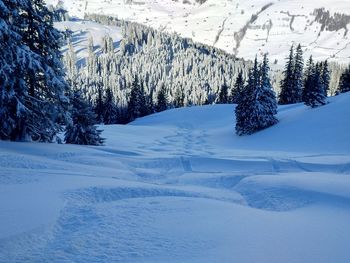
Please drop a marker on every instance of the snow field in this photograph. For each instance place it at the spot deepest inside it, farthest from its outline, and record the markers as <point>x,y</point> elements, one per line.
<point>179,186</point>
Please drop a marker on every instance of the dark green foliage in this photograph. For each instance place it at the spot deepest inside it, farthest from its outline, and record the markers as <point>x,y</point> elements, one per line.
<point>110,111</point>
<point>162,100</point>
<point>238,88</point>
<point>325,76</point>
<point>344,83</point>
<point>309,79</point>
<point>298,75</point>
<point>82,129</point>
<point>314,91</point>
<point>137,103</point>
<point>223,94</point>
<point>286,95</point>
<point>292,82</point>
<point>99,107</point>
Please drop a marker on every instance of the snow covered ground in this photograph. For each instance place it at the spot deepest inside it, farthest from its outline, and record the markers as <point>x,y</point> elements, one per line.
<point>83,30</point>
<point>241,27</point>
<point>179,186</point>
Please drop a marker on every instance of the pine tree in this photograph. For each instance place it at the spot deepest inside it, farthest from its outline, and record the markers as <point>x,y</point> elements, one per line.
<point>82,129</point>
<point>99,104</point>
<point>287,95</point>
<point>179,100</point>
<point>316,95</point>
<point>110,111</point>
<point>10,48</point>
<point>309,79</point>
<point>257,106</point>
<point>22,115</point>
<point>162,99</point>
<point>325,76</point>
<point>267,96</point>
<point>238,88</point>
<point>150,108</point>
<point>344,82</point>
<point>298,76</point>
<point>247,102</point>
<point>223,94</point>
<point>137,102</point>
<point>47,102</point>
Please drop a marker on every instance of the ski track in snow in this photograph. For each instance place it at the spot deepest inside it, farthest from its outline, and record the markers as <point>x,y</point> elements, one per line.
<point>174,197</point>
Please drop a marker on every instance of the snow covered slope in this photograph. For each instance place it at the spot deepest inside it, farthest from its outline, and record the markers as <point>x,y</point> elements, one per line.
<point>179,186</point>
<point>82,31</point>
<point>242,27</point>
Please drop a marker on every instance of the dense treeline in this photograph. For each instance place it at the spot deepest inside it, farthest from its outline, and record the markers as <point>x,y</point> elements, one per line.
<point>168,70</point>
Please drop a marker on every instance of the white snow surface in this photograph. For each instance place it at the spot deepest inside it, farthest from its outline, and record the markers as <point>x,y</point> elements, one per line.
<point>278,23</point>
<point>180,186</point>
<point>82,31</point>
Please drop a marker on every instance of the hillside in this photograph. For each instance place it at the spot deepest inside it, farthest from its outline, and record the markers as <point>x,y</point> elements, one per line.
<point>179,186</point>
<point>243,28</point>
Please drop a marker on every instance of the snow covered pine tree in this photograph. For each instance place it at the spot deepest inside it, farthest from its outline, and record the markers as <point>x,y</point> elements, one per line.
<point>110,111</point>
<point>344,83</point>
<point>11,102</point>
<point>46,87</point>
<point>292,82</point>
<point>82,129</point>
<point>33,102</point>
<point>257,106</point>
<point>137,103</point>
<point>162,99</point>
<point>238,88</point>
<point>314,93</point>
<point>326,78</point>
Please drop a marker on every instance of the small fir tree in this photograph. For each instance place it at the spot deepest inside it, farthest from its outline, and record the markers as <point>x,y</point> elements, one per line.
<point>344,82</point>
<point>257,106</point>
<point>238,88</point>
<point>110,111</point>
<point>325,77</point>
<point>223,94</point>
<point>287,84</point>
<point>309,79</point>
<point>99,107</point>
<point>298,76</point>
<point>82,129</point>
<point>137,102</point>
<point>162,100</point>
<point>316,95</point>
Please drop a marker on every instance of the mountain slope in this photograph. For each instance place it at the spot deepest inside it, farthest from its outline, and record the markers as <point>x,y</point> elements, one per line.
<point>300,128</point>
<point>179,186</point>
<point>244,28</point>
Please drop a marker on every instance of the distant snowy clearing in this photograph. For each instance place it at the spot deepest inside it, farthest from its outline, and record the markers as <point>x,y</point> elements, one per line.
<point>180,186</point>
